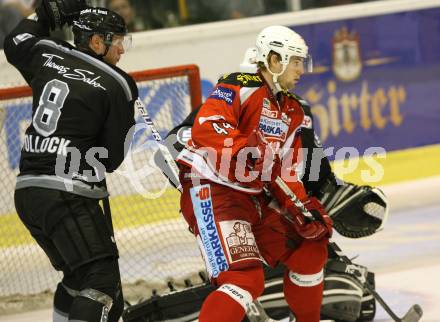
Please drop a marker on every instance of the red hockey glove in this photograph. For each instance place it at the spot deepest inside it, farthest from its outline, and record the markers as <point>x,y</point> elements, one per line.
<point>265,160</point>
<point>321,226</point>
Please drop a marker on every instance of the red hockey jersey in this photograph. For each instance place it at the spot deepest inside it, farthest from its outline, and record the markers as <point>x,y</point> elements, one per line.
<point>240,104</point>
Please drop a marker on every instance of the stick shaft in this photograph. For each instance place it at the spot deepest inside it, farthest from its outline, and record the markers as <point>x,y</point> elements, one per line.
<point>382,302</point>
<point>283,186</point>
<point>158,138</point>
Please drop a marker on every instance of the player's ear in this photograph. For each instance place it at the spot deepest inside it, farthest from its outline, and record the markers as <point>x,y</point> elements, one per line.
<point>96,44</point>
<point>274,59</point>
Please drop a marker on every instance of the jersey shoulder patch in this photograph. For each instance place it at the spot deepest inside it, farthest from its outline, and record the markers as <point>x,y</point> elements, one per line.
<point>242,79</point>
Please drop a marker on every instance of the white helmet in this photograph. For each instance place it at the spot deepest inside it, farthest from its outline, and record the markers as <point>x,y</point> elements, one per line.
<point>249,63</point>
<point>285,42</point>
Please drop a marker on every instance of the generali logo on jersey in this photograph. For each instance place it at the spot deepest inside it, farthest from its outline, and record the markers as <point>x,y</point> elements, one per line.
<point>240,240</point>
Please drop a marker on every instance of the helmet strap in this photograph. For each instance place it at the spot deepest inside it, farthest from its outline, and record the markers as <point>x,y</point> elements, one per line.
<point>107,47</point>
<point>84,46</point>
<point>275,76</point>
<point>108,38</point>
<point>276,83</point>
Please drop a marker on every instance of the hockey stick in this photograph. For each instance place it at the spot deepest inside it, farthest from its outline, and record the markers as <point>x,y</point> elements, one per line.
<point>163,150</point>
<point>415,312</point>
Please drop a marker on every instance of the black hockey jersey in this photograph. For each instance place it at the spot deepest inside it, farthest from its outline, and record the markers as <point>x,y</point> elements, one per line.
<point>82,111</point>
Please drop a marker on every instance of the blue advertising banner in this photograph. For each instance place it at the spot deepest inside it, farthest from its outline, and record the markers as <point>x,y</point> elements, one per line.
<point>376,80</point>
<point>376,84</point>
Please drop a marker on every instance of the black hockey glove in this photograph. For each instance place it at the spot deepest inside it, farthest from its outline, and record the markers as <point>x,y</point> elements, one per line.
<point>56,13</point>
<point>357,211</point>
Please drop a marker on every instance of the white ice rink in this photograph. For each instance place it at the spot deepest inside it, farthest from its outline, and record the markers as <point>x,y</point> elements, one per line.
<point>405,256</point>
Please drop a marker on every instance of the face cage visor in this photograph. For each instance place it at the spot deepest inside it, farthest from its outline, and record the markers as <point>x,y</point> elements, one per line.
<point>124,41</point>
<point>307,63</point>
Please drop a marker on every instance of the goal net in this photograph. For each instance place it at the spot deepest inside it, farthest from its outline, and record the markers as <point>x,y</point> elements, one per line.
<point>154,243</point>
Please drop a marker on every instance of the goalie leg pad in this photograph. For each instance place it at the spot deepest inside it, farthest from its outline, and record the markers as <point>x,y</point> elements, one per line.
<point>345,297</point>
<point>368,307</point>
<point>341,298</point>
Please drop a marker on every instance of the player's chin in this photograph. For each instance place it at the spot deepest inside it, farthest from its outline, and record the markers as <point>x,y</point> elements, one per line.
<point>116,60</point>
<point>292,85</point>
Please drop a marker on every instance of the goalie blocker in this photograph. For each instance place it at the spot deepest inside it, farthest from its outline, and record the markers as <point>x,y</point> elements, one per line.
<point>356,211</point>
<point>345,298</point>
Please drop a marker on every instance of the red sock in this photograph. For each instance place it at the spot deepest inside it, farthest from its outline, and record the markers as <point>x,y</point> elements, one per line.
<point>220,307</point>
<point>305,302</point>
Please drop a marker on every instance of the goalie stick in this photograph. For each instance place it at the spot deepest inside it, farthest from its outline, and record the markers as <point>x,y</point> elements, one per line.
<point>415,312</point>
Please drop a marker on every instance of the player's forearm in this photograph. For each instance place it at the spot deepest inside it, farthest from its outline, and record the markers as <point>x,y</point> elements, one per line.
<point>18,44</point>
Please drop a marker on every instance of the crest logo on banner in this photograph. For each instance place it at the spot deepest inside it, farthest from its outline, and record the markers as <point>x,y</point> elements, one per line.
<point>347,62</point>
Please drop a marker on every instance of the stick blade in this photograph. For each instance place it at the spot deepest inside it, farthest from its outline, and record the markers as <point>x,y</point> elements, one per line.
<point>414,314</point>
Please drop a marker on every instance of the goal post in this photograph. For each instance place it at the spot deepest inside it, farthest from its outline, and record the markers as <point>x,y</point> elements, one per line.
<point>189,71</point>
<point>154,243</point>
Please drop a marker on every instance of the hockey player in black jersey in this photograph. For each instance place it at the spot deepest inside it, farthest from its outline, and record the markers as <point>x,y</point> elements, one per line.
<point>82,113</point>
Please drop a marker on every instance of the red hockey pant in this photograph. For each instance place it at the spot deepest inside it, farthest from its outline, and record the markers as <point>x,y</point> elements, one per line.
<point>236,232</point>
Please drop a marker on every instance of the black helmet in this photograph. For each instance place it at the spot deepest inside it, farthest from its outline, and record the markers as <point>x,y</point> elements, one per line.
<point>97,21</point>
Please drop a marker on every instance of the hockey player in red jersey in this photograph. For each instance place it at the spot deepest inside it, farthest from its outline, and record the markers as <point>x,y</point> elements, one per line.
<point>244,136</point>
